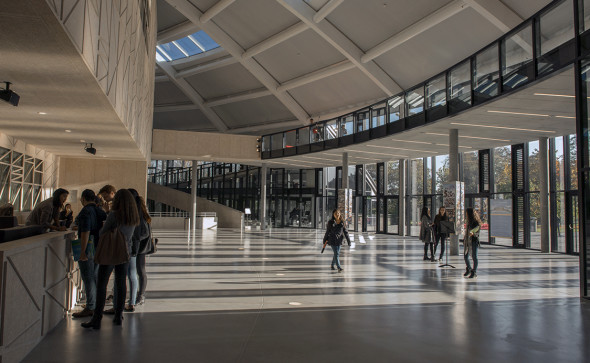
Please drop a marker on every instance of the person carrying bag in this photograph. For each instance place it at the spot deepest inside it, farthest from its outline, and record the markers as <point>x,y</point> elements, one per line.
<point>113,254</point>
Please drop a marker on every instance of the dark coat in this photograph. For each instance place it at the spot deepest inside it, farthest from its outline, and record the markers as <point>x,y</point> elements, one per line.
<point>335,233</point>
<point>437,221</point>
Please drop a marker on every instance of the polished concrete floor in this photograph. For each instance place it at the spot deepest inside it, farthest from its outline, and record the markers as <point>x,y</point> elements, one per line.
<point>227,296</point>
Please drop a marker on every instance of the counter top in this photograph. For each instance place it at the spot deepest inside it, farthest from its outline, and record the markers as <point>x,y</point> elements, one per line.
<point>33,240</point>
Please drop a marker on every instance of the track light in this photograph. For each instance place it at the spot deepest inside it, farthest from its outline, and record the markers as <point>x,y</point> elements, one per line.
<point>89,149</point>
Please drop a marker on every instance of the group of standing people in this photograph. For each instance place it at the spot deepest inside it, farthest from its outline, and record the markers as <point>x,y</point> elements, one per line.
<point>111,209</point>
<point>432,234</point>
<point>123,210</point>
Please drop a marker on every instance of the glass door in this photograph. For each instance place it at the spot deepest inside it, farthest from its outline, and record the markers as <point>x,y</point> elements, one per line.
<point>371,216</point>
<point>391,217</point>
<point>572,223</point>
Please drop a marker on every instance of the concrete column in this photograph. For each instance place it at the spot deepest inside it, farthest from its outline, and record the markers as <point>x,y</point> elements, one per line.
<point>344,170</point>
<point>263,171</point>
<point>544,193</point>
<point>402,197</point>
<point>453,177</point>
<point>194,183</point>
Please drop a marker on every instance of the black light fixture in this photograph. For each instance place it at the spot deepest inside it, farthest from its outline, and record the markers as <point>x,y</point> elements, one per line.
<point>9,95</point>
<point>89,148</point>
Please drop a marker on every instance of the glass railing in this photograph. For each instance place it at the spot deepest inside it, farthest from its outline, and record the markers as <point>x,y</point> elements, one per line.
<point>538,47</point>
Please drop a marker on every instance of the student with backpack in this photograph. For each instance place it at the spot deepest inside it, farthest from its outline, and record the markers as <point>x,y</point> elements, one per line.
<point>335,234</point>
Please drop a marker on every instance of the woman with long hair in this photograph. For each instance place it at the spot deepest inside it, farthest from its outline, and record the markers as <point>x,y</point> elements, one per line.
<point>123,216</point>
<point>426,233</point>
<point>141,235</point>
<point>471,244</point>
<point>438,235</point>
<point>335,234</point>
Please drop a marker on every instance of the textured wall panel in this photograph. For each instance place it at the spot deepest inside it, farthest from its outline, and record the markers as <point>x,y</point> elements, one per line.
<point>34,290</point>
<point>120,52</point>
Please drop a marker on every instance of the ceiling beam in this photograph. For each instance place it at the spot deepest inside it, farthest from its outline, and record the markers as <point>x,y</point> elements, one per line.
<point>176,32</point>
<point>205,67</point>
<point>415,29</point>
<point>344,45</point>
<point>316,75</point>
<point>326,10</point>
<point>497,13</point>
<point>175,107</point>
<point>229,44</point>
<point>242,96</point>
<point>194,96</point>
<point>268,126</point>
<point>162,78</point>
<point>275,39</point>
<point>215,10</point>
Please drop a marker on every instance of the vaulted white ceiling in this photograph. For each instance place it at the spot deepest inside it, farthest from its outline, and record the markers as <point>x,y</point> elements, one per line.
<point>282,62</point>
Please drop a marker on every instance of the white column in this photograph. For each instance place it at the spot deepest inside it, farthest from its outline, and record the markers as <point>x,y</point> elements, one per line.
<point>194,180</point>
<point>402,197</point>
<point>263,171</point>
<point>453,177</point>
<point>544,193</point>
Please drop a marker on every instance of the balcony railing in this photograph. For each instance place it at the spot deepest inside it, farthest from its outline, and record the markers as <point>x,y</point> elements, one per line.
<point>539,47</point>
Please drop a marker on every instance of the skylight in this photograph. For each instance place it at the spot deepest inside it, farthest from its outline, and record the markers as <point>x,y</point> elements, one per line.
<point>195,43</point>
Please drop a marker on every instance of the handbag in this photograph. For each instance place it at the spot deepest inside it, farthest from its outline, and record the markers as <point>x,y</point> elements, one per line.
<point>148,245</point>
<point>77,248</point>
<point>112,249</point>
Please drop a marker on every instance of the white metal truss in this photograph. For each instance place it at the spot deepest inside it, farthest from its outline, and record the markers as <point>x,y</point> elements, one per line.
<point>316,75</point>
<point>207,66</point>
<point>343,44</point>
<point>193,95</point>
<point>493,10</point>
<point>326,10</point>
<point>229,44</point>
<point>415,29</point>
<point>497,13</point>
<point>176,32</point>
<point>275,39</point>
<point>215,9</point>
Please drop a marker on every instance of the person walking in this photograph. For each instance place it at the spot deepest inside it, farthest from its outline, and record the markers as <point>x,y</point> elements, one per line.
<point>440,237</point>
<point>89,222</point>
<point>123,216</point>
<point>335,234</point>
<point>471,244</point>
<point>426,233</point>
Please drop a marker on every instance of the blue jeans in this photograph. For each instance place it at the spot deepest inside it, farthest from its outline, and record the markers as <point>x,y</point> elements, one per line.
<point>335,259</point>
<point>87,272</point>
<point>132,278</point>
<point>474,249</point>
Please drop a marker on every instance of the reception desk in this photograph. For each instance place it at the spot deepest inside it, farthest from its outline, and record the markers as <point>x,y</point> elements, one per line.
<point>35,292</point>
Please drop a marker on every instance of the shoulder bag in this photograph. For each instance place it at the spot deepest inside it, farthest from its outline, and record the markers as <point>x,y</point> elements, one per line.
<point>112,249</point>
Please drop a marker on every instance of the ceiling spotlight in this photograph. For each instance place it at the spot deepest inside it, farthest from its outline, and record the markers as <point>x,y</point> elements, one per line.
<point>9,95</point>
<point>68,130</point>
<point>90,149</point>
<point>42,113</point>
